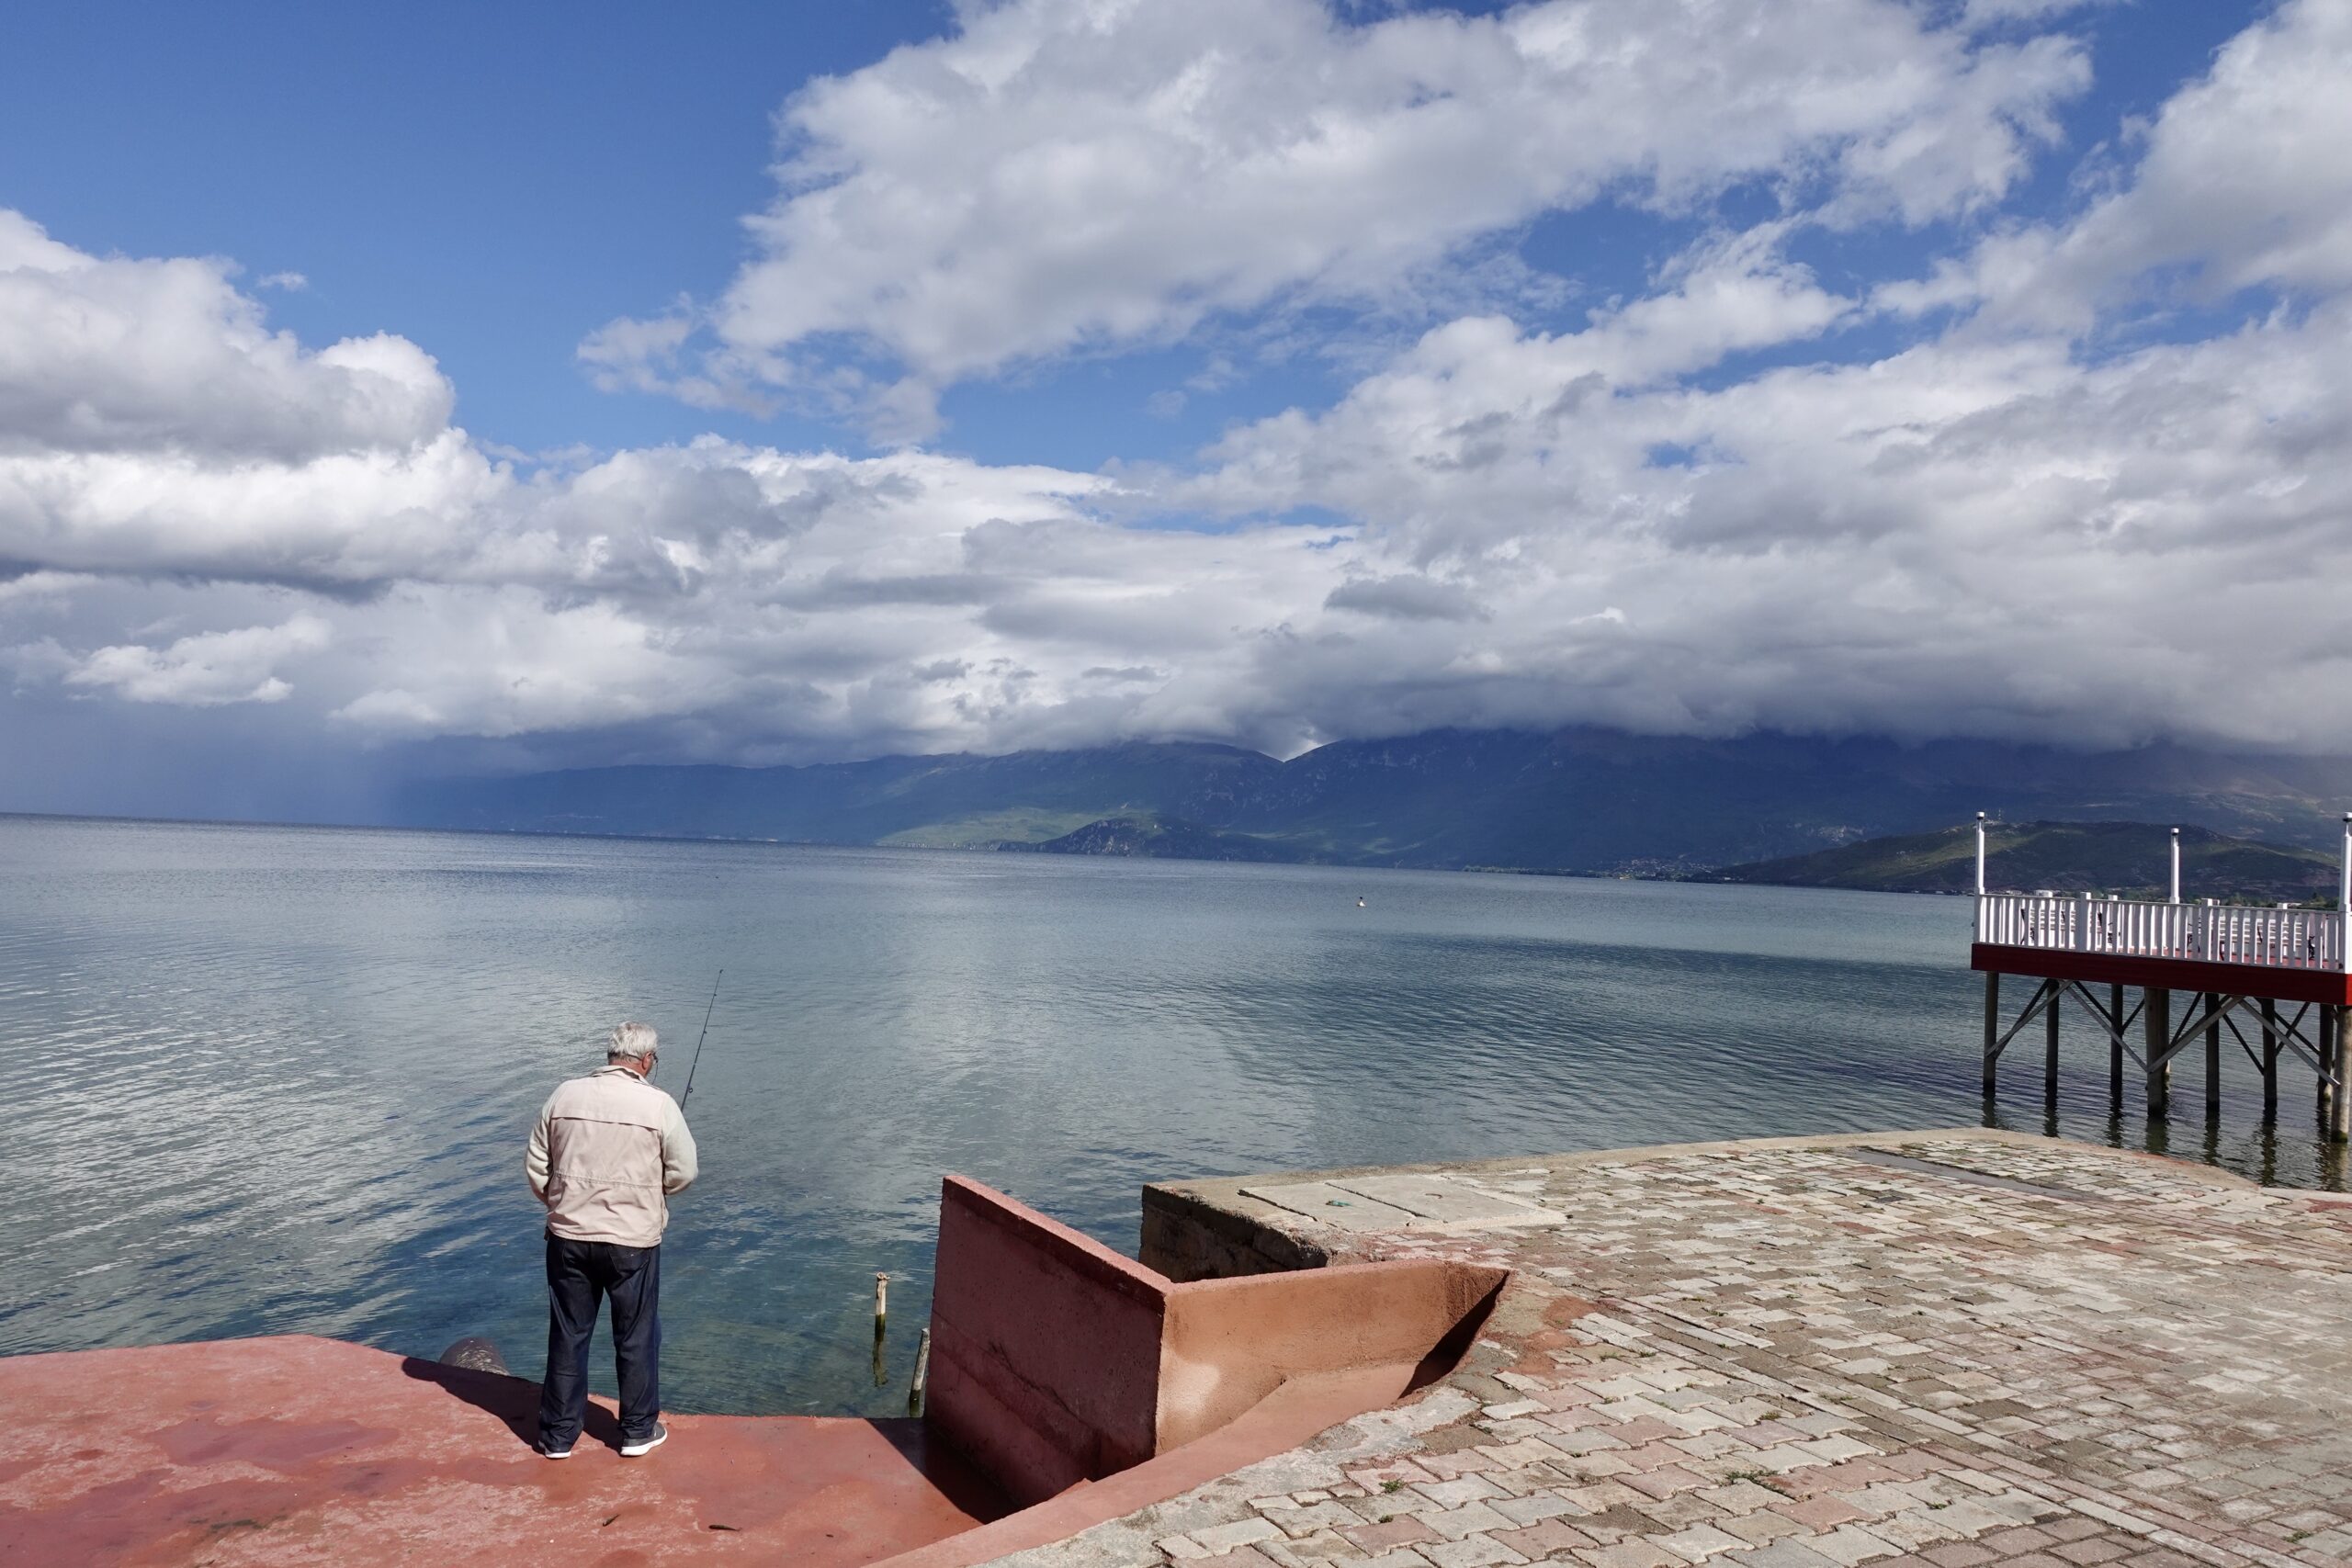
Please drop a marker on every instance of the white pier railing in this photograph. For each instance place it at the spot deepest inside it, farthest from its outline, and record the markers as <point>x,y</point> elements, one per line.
<point>2210,933</point>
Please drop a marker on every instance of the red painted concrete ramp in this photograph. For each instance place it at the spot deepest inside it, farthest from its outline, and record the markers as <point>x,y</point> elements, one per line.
<point>1057,1362</point>
<point>1074,1383</point>
<point>263,1452</point>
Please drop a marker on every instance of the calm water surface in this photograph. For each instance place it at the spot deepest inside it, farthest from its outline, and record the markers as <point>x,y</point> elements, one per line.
<point>277,1079</point>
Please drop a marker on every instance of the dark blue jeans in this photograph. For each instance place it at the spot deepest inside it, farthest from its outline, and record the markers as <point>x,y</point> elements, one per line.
<point>580,1273</point>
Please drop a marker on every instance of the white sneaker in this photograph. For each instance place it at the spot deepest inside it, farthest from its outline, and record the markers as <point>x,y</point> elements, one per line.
<point>635,1447</point>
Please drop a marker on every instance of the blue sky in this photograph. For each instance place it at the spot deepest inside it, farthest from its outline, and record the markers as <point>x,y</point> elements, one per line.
<point>493,188</point>
<point>492,181</point>
<point>474,391</point>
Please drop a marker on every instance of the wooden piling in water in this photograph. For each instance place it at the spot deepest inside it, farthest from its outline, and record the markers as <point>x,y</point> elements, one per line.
<point>2049,1047</point>
<point>2115,1046</point>
<point>1992,1026</point>
<point>2213,1055</point>
<point>2339,1126</point>
<point>922,1374</point>
<point>2157,1015</point>
<point>2269,1063</point>
<point>2325,1027</point>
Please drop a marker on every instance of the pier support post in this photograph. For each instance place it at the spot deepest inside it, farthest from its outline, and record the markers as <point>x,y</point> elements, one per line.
<point>2213,1055</point>
<point>2332,1032</point>
<point>2157,1015</point>
<point>2324,1025</point>
<point>2050,1046</point>
<point>1992,1026</point>
<point>2114,1047</point>
<point>2269,1063</point>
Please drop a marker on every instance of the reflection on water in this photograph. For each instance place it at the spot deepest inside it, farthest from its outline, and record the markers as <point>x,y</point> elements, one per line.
<point>277,1079</point>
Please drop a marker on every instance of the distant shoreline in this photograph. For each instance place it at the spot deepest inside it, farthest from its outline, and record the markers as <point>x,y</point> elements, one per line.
<point>579,834</point>
<point>1715,878</point>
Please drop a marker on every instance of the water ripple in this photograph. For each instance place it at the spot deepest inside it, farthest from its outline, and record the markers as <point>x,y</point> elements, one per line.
<point>279,1079</point>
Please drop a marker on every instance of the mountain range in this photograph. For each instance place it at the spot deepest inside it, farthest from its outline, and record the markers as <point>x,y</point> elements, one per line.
<point>1572,800</point>
<point>2133,859</point>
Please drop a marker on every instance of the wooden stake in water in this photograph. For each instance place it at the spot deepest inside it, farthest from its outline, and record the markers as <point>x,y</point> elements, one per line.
<point>881,1328</point>
<point>922,1374</point>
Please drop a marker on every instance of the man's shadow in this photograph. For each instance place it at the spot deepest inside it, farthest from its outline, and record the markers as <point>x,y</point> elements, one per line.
<point>512,1400</point>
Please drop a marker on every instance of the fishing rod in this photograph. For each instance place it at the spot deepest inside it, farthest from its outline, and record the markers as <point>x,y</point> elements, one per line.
<point>699,1040</point>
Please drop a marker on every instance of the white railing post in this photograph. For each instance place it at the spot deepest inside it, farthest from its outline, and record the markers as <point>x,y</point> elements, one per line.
<point>2175,866</point>
<point>1983,926</point>
<point>1980,847</point>
<point>2344,900</point>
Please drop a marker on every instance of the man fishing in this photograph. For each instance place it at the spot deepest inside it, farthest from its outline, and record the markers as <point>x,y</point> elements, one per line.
<point>608,1151</point>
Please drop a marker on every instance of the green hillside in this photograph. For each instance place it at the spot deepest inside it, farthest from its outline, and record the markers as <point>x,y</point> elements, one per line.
<point>1157,838</point>
<point>2128,858</point>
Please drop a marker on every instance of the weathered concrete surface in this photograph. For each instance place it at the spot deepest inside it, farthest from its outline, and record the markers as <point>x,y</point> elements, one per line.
<point>1390,1202</point>
<point>300,1451</point>
<point>1795,1353</point>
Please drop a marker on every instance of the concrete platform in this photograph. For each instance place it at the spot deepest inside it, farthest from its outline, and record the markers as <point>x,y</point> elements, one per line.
<point>1945,1350</point>
<point>1070,1385</point>
<point>298,1451</point>
<point>1937,1349</point>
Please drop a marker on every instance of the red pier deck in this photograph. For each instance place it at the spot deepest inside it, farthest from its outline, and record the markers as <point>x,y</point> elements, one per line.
<point>2323,986</point>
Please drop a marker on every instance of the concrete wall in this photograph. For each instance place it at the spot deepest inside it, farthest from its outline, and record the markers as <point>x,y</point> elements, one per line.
<point>1045,1345</point>
<point>1054,1361</point>
<point>1229,1343</point>
<point>1187,1239</point>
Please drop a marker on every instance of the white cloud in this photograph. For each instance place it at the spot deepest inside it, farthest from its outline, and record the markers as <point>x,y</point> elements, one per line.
<point>1748,494</point>
<point>790,599</point>
<point>1977,14</point>
<point>2249,173</point>
<point>504,663</point>
<point>1979,535</point>
<point>2245,180</point>
<point>207,670</point>
<point>105,354</point>
<point>354,518</point>
<point>1059,176</point>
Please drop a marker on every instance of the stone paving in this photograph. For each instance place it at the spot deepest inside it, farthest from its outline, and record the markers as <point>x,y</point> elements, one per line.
<point>1806,1354</point>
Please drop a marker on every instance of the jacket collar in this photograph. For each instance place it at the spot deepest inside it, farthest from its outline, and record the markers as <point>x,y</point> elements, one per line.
<point>616,1068</point>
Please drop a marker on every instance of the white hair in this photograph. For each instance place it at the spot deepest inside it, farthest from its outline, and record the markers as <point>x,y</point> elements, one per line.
<point>634,1041</point>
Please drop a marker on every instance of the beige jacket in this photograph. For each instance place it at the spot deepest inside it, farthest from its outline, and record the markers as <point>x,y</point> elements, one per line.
<point>606,1152</point>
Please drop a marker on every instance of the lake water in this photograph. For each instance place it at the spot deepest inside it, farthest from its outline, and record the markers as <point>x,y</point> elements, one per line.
<point>269,1080</point>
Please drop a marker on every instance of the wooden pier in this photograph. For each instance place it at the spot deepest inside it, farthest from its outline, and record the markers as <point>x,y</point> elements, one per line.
<point>2273,979</point>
